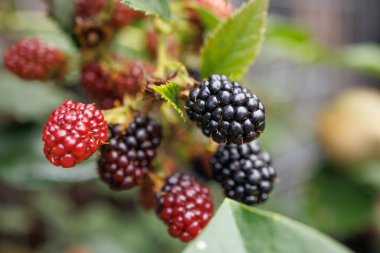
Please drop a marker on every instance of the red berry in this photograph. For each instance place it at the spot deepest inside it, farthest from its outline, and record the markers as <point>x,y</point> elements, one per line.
<point>105,85</point>
<point>72,133</point>
<point>34,59</point>
<point>185,206</point>
<point>121,14</point>
<point>125,160</point>
<point>98,85</point>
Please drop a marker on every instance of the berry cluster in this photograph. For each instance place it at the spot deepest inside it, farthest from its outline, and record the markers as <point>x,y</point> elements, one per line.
<point>72,133</point>
<point>244,171</point>
<point>226,111</point>
<point>105,85</point>
<point>34,59</point>
<point>124,161</point>
<point>185,206</point>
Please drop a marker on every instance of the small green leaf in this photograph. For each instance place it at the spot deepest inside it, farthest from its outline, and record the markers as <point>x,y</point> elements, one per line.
<point>234,44</point>
<point>241,229</point>
<point>169,92</point>
<point>150,7</point>
<point>208,18</point>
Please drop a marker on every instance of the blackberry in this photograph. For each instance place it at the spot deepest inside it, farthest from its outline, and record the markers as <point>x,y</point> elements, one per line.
<point>125,160</point>
<point>226,111</point>
<point>244,171</point>
<point>185,206</point>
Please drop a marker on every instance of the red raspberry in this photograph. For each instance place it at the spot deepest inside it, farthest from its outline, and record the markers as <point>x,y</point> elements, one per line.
<point>34,59</point>
<point>185,206</point>
<point>125,161</point>
<point>72,133</point>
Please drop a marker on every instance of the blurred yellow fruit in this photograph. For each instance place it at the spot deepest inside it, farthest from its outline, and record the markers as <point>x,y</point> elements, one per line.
<point>349,128</point>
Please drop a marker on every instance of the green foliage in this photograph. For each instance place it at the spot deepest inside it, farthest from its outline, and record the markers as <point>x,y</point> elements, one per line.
<point>169,92</point>
<point>150,7</point>
<point>63,13</point>
<point>362,57</point>
<point>338,205</point>
<point>208,18</point>
<point>240,229</point>
<point>29,100</point>
<point>234,44</point>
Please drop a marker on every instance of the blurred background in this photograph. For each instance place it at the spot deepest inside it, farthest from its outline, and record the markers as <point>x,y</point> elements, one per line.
<point>318,75</point>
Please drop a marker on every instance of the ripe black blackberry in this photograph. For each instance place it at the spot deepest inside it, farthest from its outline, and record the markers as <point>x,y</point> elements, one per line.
<point>124,162</point>
<point>226,111</point>
<point>244,171</point>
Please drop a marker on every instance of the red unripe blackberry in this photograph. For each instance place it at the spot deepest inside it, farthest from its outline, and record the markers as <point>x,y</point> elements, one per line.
<point>185,206</point>
<point>121,14</point>
<point>244,171</point>
<point>34,59</point>
<point>105,85</point>
<point>124,161</point>
<point>99,85</point>
<point>226,111</point>
<point>72,133</point>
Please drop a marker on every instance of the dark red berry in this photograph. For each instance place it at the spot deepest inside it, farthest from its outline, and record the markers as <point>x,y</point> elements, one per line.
<point>125,160</point>
<point>226,111</point>
<point>185,206</point>
<point>105,85</point>
<point>99,85</point>
<point>34,59</point>
<point>244,171</point>
<point>72,133</point>
<point>121,14</point>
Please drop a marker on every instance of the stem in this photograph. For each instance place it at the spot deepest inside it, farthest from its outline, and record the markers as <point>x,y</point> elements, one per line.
<point>161,55</point>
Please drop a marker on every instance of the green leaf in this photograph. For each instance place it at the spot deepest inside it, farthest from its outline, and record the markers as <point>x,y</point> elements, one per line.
<point>363,58</point>
<point>235,43</point>
<point>336,204</point>
<point>208,18</point>
<point>169,92</point>
<point>241,229</point>
<point>63,13</point>
<point>29,100</point>
<point>150,7</point>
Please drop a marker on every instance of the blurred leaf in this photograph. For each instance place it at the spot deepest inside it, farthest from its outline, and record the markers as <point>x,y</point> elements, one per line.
<point>240,229</point>
<point>366,173</point>
<point>337,205</point>
<point>208,18</point>
<point>235,43</point>
<point>24,165</point>
<point>29,100</point>
<point>63,13</point>
<point>169,92</point>
<point>362,57</point>
<point>13,219</point>
<point>150,7</point>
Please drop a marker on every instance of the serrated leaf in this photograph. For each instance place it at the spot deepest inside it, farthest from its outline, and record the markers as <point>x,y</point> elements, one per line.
<point>169,92</point>
<point>150,7</point>
<point>235,43</point>
<point>241,229</point>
